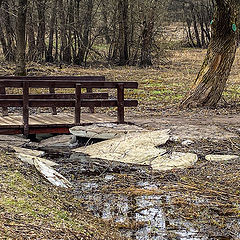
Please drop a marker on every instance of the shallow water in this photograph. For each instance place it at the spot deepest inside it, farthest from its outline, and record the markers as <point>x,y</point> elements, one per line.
<point>141,217</point>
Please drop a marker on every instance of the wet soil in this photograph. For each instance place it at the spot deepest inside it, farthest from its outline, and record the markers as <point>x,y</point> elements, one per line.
<point>201,202</point>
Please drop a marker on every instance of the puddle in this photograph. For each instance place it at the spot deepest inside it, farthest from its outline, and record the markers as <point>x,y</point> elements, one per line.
<point>139,217</point>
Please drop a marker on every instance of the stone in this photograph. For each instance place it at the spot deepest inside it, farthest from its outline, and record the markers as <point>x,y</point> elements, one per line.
<point>174,160</point>
<point>13,140</point>
<point>143,148</point>
<point>219,158</point>
<point>187,143</point>
<point>104,130</point>
<point>29,152</point>
<point>31,159</point>
<point>60,141</point>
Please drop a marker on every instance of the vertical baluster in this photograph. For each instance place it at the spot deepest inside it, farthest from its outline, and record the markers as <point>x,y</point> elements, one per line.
<point>26,108</point>
<point>78,104</point>
<point>120,102</point>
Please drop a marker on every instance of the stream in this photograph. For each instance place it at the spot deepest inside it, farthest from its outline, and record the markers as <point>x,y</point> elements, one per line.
<point>128,195</point>
<point>140,217</point>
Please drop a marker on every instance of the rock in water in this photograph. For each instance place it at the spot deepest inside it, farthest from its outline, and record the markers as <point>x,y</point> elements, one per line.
<point>174,160</point>
<point>29,151</point>
<point>11,140</point>
<point>104,130</point>
<point>130,148</point>
<point>60,141</point>
<point>142,149</point>
<point>219,158</point>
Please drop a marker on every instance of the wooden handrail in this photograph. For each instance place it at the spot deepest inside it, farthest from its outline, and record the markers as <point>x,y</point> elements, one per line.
<point>55,100</point>
<point>66,84</point>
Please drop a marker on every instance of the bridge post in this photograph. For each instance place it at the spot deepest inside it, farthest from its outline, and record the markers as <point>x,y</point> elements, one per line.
<point>4,109</point>
<point>78,103</point>
<point>120,102</point>
<point>26,108</point>
<point>89,90</point>
<point>52,90</point>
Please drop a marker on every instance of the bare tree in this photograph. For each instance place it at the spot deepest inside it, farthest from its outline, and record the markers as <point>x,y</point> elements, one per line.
<point>123,32</point>
<point>49,53</point>
<point>211,80</point>
<point>148,34</point>
<point>21,42</point>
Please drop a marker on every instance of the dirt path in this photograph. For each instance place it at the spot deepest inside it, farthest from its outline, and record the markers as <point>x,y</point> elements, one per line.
<point>195,126</point>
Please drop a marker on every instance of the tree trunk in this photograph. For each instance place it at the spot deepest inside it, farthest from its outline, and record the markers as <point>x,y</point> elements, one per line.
<point>49,53</point>
<point>3,43</point>
<point>105,22</point>
<point>21,42</point>
<point>147,39</point>
<point>84,46</point>
<point>31,55</point>
<point>9,32</point>
<point>211,80</point>
<point>65,47</point>
<point>41,47</point>
<point>123,32</point>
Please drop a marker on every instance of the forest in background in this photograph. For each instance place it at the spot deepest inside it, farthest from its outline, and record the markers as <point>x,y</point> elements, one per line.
<point>119,32</point>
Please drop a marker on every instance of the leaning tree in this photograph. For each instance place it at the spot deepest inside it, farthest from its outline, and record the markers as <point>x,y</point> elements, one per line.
<point>211,80</point>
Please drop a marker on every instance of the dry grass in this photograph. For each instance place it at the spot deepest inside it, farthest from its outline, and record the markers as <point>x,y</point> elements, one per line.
<point>31,208</point>
<point>161,88</point>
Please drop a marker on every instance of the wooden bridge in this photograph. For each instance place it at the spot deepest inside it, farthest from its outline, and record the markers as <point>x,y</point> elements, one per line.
<point>58,123</point>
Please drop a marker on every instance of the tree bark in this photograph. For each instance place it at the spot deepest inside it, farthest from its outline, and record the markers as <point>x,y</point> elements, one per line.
<point>211,80</point>
<point>3,43</point>
<point>9,32</point>
<point>105,22</point>
<point>147,38</point>
<point>31,54</point>
<point>41,47</point>
<point>123,32</point>
<point>49,53</point>
<point>21,42</point>
<point>65,47</point>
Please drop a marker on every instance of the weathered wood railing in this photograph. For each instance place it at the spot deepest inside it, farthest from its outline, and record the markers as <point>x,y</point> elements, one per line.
<point>51,89</point>
<point>52,99</point>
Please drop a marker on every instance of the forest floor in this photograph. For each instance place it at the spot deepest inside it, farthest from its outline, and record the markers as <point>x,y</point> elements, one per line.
<point>206,195</point>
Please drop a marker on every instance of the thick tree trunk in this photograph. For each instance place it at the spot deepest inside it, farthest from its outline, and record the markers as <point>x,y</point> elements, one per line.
<point>21,42</point>
<point>211,80</point>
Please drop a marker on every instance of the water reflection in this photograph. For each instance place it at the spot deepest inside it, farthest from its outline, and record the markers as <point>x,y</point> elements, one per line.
<point>140,217</point>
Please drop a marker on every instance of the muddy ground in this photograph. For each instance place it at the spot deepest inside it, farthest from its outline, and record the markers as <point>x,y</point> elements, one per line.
<point>201,202</point>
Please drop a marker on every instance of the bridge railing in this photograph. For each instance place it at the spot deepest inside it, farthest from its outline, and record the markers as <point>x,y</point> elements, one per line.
<point>77,100</point>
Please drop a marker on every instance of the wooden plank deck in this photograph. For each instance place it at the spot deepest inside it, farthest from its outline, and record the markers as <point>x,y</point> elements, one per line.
<point>48,123</point>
